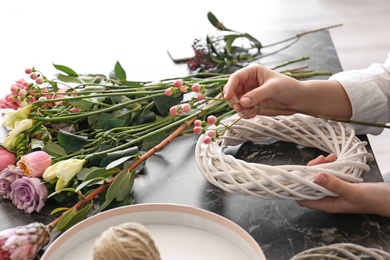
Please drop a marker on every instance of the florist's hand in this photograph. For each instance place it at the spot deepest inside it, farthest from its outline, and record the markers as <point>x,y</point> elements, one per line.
<point>256,85</point>
<point>356,198</point>
<point>258,90</point>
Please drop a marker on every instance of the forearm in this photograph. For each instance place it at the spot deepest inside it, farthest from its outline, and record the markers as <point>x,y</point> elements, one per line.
<point>325,98</point>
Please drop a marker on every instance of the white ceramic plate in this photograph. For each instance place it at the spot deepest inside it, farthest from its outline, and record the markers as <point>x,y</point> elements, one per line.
<point>180,232</point>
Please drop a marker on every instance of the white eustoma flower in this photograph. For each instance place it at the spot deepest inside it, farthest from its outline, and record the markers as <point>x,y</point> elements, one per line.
<point>13,117</point>
<point>63,172</point>
<point>8,142</point>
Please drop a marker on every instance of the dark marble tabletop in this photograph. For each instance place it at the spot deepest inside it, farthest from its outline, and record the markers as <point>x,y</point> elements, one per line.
<point>281,227</point>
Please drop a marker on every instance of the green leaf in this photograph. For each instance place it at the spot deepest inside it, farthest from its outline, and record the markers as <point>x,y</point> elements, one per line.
<point>121,186</point>
<point>89,182</point>
<point>256,42</point>
<point>66,70</point>
<point>55,211</point>
<point>103,119</point>
<point>146,116</point>
<point>65,219</point>
<point>120,73</point>
<point>128,200</point>
<point>100,173</point>
<point>154,140</point>
<point>68,220</point>
<point>71,142</point>
<point>83,104</point>
<point>216,23</point>
<point>110,157</point>
<point>164,103</point>
<point>114,123</point>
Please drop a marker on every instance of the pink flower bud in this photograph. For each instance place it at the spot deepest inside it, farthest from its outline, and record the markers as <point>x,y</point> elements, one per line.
<point>211,133</point>
<point>28,70</point>
<point>198,122</point>
<point>197,130</point>
<point>211,120</point>
<point>178,83</point>
<point>33,76</point>
<point>207,139</point>
<point>34,164</point>
<point>195,87</point>
<point>39,80</point>
<point>22,93</point>
<point>200,96</point>
<point>168,92</point>
<point>186,108</point>
<point>183,89</point>
<point>173,111</point>
<point>7,158</point>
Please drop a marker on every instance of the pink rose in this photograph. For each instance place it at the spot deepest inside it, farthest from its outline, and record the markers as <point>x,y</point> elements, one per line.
<point>7,158</point>
<point>7,177</point>
<point>34,164</point>
<point>28,194</point>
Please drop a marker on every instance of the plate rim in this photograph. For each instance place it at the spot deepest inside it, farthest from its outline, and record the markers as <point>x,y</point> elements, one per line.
<point>150,207</point>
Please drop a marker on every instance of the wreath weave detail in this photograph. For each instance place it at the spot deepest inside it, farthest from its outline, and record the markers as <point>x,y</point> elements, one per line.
<point>343,251</point>
<point>283,181</point>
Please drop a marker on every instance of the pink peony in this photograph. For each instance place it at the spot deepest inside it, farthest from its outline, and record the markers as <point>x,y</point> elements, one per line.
<point>28,194</point>
<point>7,177</point>
<point>34,164</point>
<point>7,158</point>
<point>23,242</point>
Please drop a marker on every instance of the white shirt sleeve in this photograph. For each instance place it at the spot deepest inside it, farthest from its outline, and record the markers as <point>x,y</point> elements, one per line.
<point>369,93</point>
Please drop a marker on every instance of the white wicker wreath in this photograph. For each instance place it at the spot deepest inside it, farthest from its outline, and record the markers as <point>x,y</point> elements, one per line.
<point>342,251</point>
<point>283,181</point>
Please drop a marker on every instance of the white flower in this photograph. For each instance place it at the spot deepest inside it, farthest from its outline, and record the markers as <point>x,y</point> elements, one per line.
<point>63,172</point>
<point>13,117</point>
<point>9,141</point>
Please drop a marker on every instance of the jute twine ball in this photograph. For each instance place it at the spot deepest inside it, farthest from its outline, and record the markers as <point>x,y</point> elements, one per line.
<point>281,181</point>
<point>128,241</point>
<point>342,251</point>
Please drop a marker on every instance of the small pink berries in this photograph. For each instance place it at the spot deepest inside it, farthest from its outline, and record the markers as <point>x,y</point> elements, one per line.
<point>200,96</point>
<point>196,87</point>
<point>198,122</point>
<point>185,108</point>
<point>173,111</point>
<point>211,120</point>
<point>211,133</point>
<point>39,80</point>
<point>198,130</point>
<point>33,76</point>
<point>206,139</point>
<point>168,92</point>
<point>178,83</point>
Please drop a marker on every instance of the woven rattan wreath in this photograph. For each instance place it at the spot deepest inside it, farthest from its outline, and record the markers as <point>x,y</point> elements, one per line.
<point>283,181</point>
<point>342,251</point>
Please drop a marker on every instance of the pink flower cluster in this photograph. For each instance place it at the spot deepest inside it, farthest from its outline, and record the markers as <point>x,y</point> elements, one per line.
<point>21,183</point>
<point>179,84</point>
<point>23,93</point>
<point>199,127</point>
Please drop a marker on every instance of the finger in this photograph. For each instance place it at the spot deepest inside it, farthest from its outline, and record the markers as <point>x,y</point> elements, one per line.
<point>330,158</point>
<point>333,183</point>
<point>320,159</point>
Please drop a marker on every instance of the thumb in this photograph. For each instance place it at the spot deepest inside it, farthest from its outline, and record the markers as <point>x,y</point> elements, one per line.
<point>332,183</point>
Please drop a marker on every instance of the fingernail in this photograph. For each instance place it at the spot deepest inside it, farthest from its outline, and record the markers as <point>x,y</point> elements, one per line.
<point>321,178</point>
<point>245,101</point>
